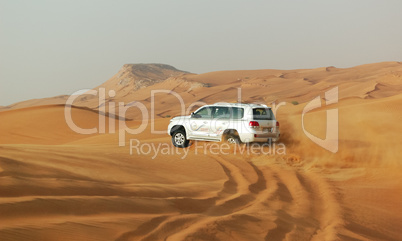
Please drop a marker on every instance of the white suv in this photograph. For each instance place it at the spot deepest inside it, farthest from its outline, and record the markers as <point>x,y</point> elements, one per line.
<point>225,121</point>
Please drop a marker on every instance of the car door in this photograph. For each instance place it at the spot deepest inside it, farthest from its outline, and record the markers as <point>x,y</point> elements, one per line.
<point>220,121</point>
<point>200,123</point>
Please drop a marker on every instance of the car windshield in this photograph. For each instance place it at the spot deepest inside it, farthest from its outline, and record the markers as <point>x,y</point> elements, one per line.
<point>262,114</point>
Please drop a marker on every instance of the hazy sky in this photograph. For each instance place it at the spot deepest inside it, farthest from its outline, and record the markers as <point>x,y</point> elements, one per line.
<point>53,47</point>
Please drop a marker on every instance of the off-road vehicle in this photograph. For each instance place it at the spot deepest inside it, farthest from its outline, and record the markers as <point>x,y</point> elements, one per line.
<point>231,122</point>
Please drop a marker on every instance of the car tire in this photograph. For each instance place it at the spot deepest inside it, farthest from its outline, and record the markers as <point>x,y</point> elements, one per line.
<point>232,139</point>
<point>179,139</point>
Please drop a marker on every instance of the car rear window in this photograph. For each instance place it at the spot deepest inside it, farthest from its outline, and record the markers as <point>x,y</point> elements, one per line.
<point>262,114</point>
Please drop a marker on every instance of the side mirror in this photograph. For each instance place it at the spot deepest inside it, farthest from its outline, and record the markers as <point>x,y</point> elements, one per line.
<point>193,115</point>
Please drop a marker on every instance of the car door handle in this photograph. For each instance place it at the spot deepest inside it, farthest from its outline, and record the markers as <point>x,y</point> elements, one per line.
<point>205,122</point>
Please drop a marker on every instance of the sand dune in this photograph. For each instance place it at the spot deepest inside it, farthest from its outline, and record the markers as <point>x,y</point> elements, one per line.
<point>56,184</point>
<point>57,100</point>
<point>44,124</point>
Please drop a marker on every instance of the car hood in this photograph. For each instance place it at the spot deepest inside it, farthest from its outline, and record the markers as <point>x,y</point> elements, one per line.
<point>182,117</point>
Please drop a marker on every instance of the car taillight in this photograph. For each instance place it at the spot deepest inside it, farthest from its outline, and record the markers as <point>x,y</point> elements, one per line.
<point>254,124</point>
<point>277,124</point>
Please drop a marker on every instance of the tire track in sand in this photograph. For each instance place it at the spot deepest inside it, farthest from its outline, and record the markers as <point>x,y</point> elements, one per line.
<point>237,192</point>
<point>247,197</point>
<point>281,204</point>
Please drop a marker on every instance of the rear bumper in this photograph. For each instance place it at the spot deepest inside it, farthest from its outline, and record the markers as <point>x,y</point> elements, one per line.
<point>259,137</point>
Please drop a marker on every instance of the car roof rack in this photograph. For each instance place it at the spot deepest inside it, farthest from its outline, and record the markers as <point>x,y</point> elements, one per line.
<point>241,104</point>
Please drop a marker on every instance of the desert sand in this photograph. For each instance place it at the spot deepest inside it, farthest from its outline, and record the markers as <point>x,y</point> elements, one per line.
<point>56,184</point>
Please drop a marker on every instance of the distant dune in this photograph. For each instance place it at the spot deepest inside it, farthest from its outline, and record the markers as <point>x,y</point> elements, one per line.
<point>138,76</point>
<point>56,184</point>
<point>43,125</point>
<point>135,81</point>
<point>57,100</point>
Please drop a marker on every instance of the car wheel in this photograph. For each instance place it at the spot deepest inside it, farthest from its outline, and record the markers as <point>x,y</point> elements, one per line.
<point>179,139</point>
<point>232,139</point>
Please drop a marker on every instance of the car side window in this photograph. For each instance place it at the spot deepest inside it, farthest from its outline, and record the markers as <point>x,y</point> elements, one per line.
<point>221,113</point>
<point>237,113</point>
<point>205,112</point>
